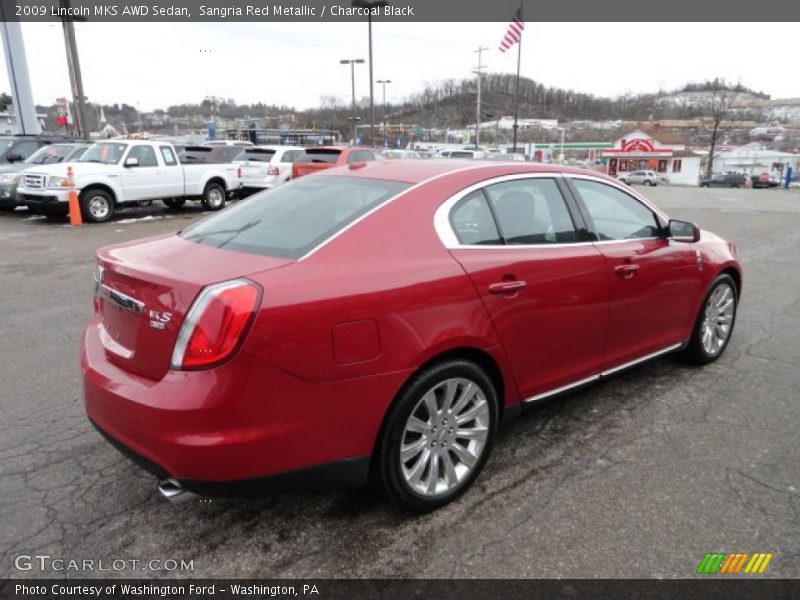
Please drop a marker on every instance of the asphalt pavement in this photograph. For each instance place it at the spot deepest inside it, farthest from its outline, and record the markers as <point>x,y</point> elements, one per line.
<point>638,476</point>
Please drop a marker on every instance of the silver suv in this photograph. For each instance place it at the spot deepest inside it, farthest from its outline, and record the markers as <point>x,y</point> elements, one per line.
<point>643,177</point>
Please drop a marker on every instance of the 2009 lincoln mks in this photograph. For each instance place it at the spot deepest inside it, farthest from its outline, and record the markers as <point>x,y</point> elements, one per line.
<point>379,320</point>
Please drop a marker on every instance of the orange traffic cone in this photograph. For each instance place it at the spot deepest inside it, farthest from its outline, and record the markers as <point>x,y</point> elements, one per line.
<point>74,206</point>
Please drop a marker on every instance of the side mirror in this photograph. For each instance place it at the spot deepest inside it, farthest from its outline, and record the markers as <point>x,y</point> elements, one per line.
<point>683,231</point>
<point>132,162</point>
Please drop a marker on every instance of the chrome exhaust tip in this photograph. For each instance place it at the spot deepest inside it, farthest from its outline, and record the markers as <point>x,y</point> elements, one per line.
<point>174,492</point>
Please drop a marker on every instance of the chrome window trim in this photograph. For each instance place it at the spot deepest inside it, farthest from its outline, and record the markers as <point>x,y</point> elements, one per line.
<point>602,374</point>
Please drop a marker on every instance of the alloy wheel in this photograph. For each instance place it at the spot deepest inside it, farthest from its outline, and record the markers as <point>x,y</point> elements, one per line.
<point>718,319</point>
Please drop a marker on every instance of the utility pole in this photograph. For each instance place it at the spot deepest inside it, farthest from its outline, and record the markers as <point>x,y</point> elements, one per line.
<point>353,62</point>
<point>76,81</point>
<point>478,71</point>
<point>383,82</point>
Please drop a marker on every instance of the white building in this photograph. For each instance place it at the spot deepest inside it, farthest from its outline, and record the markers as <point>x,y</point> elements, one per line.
<point>755,161</point>
<point>659,151</point>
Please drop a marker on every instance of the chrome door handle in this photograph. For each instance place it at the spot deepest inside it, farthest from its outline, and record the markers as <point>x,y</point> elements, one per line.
<point>627,270</point>
<point>506,287</point>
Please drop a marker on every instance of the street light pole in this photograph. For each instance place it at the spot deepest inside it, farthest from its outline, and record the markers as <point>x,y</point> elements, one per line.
<point>383,82</point>
<point>353,62</point>
<point>369,6</point>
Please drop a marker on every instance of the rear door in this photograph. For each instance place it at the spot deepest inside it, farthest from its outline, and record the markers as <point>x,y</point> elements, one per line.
<point>543,285</point>
<point>654,281</point>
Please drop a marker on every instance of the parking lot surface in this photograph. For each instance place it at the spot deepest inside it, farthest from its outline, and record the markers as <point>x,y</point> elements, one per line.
<point>638,476</point>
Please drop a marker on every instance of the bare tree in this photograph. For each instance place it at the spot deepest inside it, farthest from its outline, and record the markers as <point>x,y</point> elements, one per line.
<point>717,115</point>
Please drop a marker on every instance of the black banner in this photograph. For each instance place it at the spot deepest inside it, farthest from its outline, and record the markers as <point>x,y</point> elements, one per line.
<point>340,589</point>
<point>396,10</point>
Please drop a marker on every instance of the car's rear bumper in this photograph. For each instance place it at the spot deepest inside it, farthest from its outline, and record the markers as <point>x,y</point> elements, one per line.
<point>243,420</point>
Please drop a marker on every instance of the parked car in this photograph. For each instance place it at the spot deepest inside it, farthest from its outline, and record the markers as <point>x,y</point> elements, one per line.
<point>462,153</point>
<point>765,180</point>
<point>16,148</point>
<point>384,320</point>
<point>112,174</point>
<point>504,156</point>
<point>402,154</point>
<point>264,167</point>
<point>239,143</point>
<point>209,154</point>
<point>730,180</point>
<point>313,160</point>
<point>640,177</point>
<point>46,155</point>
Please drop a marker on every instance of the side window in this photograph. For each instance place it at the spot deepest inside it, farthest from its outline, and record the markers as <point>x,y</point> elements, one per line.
<point>290,156</point>
<point>615,214</point>
<point>168,156</point>
<point>531,211</point>
<point>145,154</point>
<point>25,149</point>
<point>353,157</point>
<point>472,221</point>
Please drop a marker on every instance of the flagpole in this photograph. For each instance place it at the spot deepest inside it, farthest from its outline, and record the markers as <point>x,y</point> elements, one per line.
<point>516,93</point>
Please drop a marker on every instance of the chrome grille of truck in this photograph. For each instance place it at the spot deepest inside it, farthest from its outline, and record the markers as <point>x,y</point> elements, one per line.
<point>34,182</point>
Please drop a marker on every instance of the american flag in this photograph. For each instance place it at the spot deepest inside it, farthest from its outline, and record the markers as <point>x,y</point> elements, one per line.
<point>514,33</point>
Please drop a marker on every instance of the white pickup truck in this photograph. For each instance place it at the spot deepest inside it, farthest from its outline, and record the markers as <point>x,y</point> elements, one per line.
<point>114,173</point>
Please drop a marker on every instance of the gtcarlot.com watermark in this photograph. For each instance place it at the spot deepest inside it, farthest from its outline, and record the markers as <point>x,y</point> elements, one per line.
<point>46,562</point>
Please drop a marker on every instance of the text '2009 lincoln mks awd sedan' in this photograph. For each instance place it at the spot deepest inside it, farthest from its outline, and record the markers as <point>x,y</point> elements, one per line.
<point>379,320</point>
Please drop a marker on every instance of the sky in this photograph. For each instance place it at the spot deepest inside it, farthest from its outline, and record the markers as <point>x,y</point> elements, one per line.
<point>154,65</point>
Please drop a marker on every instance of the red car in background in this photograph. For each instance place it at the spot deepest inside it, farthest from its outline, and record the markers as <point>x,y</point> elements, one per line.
<point>327,157</point>
<point>383,319</point>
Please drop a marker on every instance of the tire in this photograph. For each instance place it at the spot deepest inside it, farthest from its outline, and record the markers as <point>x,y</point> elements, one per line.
<point>214,196</point>
<point>648,182</point>
<point>412,424</point>
<point>703,349</point>
<point>97,206</point>
<point>174,203</point>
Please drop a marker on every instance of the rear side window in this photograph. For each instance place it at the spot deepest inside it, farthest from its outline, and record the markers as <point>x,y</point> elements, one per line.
<point>319,156</point>
<point>168,155</point>
<point>195,154</point>
<point>290,156</point>
<point>531,211</point>
<point>615,214</point>
<point>473,222</point>
<point>292,219</point>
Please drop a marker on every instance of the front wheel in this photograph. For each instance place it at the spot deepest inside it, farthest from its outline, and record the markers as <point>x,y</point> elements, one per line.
<point>213,196</point>
<point>97,206</point>
<point>714,324</point>
<point>437,436</point>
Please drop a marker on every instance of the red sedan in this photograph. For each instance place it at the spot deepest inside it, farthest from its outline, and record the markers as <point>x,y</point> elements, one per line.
<point>314,160</point>
<point>382,319</point>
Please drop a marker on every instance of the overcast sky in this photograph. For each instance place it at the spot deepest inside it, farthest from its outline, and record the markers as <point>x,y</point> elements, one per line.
<point>154,65</point>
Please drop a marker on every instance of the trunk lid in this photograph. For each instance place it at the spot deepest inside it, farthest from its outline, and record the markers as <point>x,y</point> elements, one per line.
<point>148,288</point>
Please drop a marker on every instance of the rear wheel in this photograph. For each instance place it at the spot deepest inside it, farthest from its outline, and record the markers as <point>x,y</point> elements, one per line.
<point>97,206</point>
<point>174,203</point>
<point>714,324</point>
<point>437,436</point>
<point>213,196</point>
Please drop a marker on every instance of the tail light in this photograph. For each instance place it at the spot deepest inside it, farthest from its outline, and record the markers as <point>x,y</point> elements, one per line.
<point>273,171</point>
<point>216,324</point>
<point>239,172</point>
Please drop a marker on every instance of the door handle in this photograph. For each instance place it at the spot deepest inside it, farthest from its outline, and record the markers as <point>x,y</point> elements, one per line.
<point>627,270</point>
<point>506,287</point>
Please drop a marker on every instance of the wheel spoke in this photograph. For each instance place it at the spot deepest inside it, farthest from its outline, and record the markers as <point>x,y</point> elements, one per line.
<point>464,455</point>
<point>450,475</point>
<point>411,450</point>
<point>433,473</point>
<point>430,403</point>
<point>467,394</point>
<point>477,408</point>
<point>451,387</point>
<point>415,475</point>
<point>478,433</point>
<point>417,425</point>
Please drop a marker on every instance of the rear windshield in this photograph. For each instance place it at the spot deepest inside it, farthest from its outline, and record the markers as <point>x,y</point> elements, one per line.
<point>318,156</point>
<point>256,155</point>
<point>290,220</point>
<point>196,154</point>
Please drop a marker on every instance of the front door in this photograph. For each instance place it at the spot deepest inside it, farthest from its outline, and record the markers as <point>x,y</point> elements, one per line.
<point>144,180</point>
<point>546,293</point>
<point>653,280</point>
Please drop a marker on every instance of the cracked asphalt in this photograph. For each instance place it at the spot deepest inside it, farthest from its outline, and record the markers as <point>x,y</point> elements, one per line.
<point>638,476</point>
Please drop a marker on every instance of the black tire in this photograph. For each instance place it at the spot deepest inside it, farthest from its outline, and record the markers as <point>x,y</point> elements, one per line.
<point>97,206</point>
<point>7,208</point>
<point>214,196</point>
<point>387,465</point>
<point>174,203</point>
<point>696,353</point>
<point>648,182</point>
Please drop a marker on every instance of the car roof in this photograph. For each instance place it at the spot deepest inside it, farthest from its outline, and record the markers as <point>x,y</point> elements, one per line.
<point>419,170</point>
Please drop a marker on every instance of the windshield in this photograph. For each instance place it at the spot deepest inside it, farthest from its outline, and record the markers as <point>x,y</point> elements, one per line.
<point>48,154</point>
<point>77,152</point>
<point>107,153</point>
<point>290,220</point>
